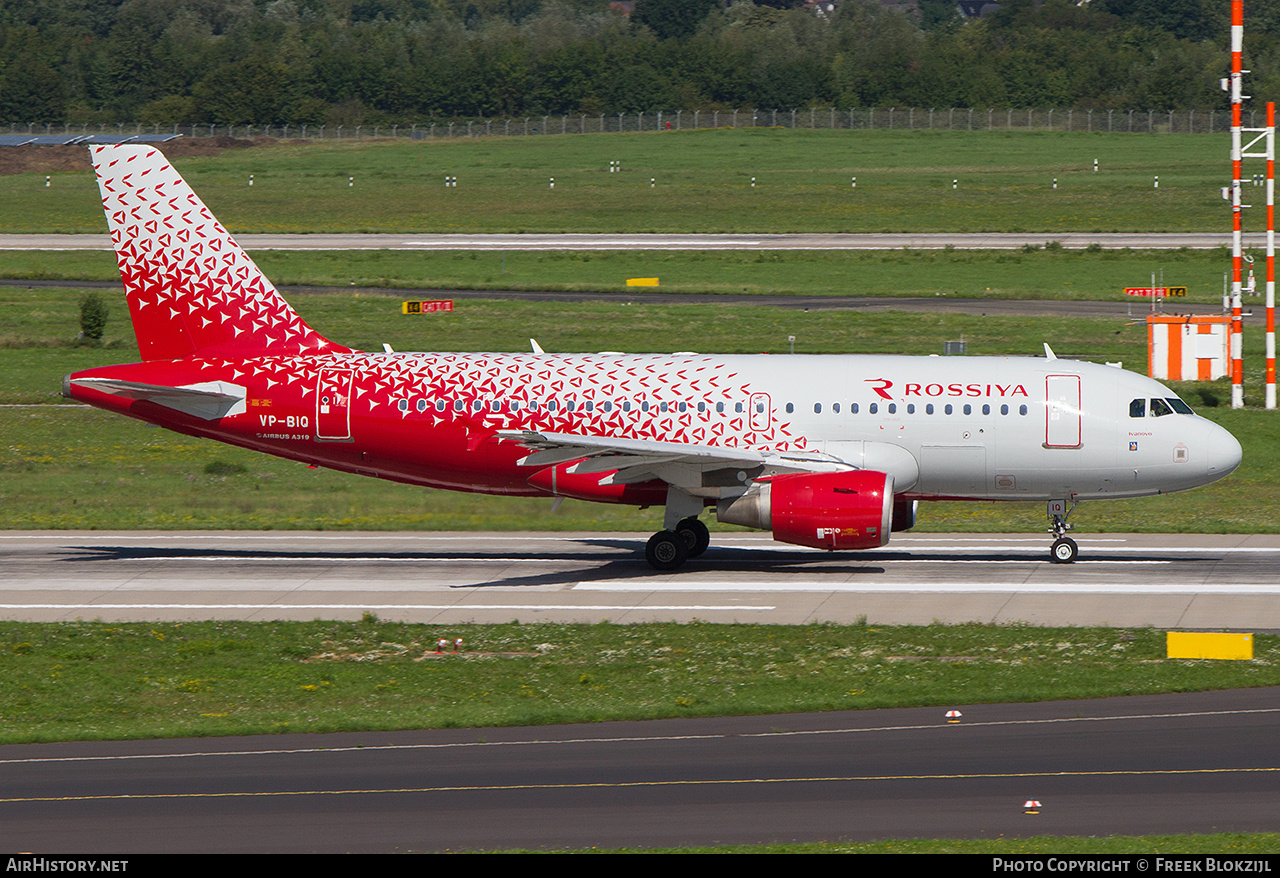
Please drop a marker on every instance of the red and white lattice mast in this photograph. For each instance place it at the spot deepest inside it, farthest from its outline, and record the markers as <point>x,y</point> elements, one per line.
<point>1238,153</point>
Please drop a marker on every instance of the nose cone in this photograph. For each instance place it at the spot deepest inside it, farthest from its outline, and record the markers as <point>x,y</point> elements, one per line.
<point>1223,452</point>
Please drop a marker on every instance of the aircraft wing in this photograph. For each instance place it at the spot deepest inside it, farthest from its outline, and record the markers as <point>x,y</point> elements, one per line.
<point>641,460</point>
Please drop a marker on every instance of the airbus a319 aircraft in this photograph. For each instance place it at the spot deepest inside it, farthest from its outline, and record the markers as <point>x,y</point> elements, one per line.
<point>832,452</point>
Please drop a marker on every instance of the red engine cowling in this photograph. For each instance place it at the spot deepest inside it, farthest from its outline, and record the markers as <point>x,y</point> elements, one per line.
<point>846,510</point>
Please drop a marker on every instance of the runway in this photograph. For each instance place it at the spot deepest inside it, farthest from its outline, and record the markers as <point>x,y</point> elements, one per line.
<point>627,241</point>
<point>1190,763</point>
<point>1166,581</point>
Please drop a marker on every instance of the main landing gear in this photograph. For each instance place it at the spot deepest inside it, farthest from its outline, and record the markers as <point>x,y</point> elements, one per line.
<point>668,549</point>
<point>1064,549</point>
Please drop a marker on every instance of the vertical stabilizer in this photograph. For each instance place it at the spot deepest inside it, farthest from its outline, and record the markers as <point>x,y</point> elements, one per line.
<point>191,289</point>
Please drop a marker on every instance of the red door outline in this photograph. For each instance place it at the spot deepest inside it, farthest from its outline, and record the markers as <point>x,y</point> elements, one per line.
<point>333,404</point>
<point>1062,411</point>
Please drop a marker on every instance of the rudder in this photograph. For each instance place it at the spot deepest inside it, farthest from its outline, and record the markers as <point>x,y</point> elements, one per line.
<point>190,287</point>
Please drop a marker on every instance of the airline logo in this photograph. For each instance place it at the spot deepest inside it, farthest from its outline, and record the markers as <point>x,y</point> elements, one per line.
<point>882,387</point>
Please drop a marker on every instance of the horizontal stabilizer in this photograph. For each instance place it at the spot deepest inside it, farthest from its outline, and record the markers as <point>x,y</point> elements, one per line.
<point>209,401</point>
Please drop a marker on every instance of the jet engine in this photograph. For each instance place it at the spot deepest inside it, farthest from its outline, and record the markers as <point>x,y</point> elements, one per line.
<point>845,510</point>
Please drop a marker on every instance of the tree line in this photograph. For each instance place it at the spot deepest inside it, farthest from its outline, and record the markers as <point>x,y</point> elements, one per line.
<point>383,62</point>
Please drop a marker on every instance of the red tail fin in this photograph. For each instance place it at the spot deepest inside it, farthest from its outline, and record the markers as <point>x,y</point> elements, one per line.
<point>191,289</point>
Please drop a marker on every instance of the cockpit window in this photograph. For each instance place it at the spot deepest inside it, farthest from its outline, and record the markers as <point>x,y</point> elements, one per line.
<point>1160,408</point>
<point>1138,408</point>
<point>1179,406</point>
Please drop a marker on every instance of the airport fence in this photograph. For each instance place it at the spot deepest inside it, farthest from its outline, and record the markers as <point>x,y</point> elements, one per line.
<point>853,119</point>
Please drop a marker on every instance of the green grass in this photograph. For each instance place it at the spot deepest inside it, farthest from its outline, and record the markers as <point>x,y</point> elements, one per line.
<point>99,681</point>
<point>1053,274</point>
<point>1229,843</point>
<point>702,184</point>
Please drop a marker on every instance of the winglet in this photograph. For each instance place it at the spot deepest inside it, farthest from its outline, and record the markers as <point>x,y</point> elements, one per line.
<point>537,348</point>
<point>1048,352</point>
<point>190,287</point>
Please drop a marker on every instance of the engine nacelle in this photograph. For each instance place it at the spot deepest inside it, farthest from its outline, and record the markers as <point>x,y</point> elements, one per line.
<point>846,510</point>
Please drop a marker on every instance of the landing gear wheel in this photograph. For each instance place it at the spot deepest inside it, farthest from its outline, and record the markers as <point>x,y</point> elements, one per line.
<point>666,550</point>
<point>695,535</point>
<point>1064,551</point>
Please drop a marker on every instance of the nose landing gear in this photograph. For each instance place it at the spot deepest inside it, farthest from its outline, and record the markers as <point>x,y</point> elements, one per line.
<point>1064,549</point>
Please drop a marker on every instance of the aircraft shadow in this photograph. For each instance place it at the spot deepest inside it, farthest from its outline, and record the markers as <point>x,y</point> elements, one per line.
<point>590,564</point>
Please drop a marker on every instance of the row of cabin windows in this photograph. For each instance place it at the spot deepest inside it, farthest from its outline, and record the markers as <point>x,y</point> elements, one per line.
<point>892,408</point>
<point>1159,407</point>
<point>571,405</point>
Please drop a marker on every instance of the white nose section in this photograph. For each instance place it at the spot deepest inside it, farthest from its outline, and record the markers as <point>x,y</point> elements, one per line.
<point>1224,452</point>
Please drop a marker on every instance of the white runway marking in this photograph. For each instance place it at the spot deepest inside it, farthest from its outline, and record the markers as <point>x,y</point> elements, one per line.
<point>700,608</point>
<point>899,587</point>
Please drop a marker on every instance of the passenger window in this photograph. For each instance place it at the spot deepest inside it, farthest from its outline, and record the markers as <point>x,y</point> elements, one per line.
<point>1138,408</point>
<point>986,409</point>
<point>835,407</point>
<point>1160,408</point>
<point>817,408</point>
<point>790,408</point>
<point>1022,409</point>
<point>853,408</point>
<point>1004,410</point>
<point>928,409</point>
<point>893,408</point>
<point>873,408</point>
<point>911,408</point>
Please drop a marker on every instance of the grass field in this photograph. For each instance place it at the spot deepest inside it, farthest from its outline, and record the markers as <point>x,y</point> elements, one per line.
<point>1052,274</point>
<point>91,680</point>
<point>701,183</point>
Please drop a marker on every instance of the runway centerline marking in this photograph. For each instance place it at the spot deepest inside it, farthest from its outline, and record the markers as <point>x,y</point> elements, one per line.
<point>620,785</point>
<point>945,728</point>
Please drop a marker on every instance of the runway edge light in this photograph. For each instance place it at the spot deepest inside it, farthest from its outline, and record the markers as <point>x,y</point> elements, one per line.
<point>1208,645</point>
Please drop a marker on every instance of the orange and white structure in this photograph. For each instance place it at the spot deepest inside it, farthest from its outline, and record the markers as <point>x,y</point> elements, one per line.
<point>1239,152</point>
<point>1188,347</point>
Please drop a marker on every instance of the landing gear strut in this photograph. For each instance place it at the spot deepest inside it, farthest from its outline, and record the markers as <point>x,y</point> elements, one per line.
<point>1064,549</point>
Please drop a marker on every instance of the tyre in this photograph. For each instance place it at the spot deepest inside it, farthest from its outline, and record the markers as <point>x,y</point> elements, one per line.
<point>695,535</point>
<point>1064,551</point>
<point>665,550</point>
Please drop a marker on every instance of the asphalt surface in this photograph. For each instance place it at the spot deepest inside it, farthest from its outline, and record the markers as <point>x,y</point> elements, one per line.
<point>1168,581</point>
<point>1188,763</point>
<point>1196,763</point>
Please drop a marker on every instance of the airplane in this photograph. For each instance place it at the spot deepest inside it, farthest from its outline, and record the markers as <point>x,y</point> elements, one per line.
<point>831,452</point>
